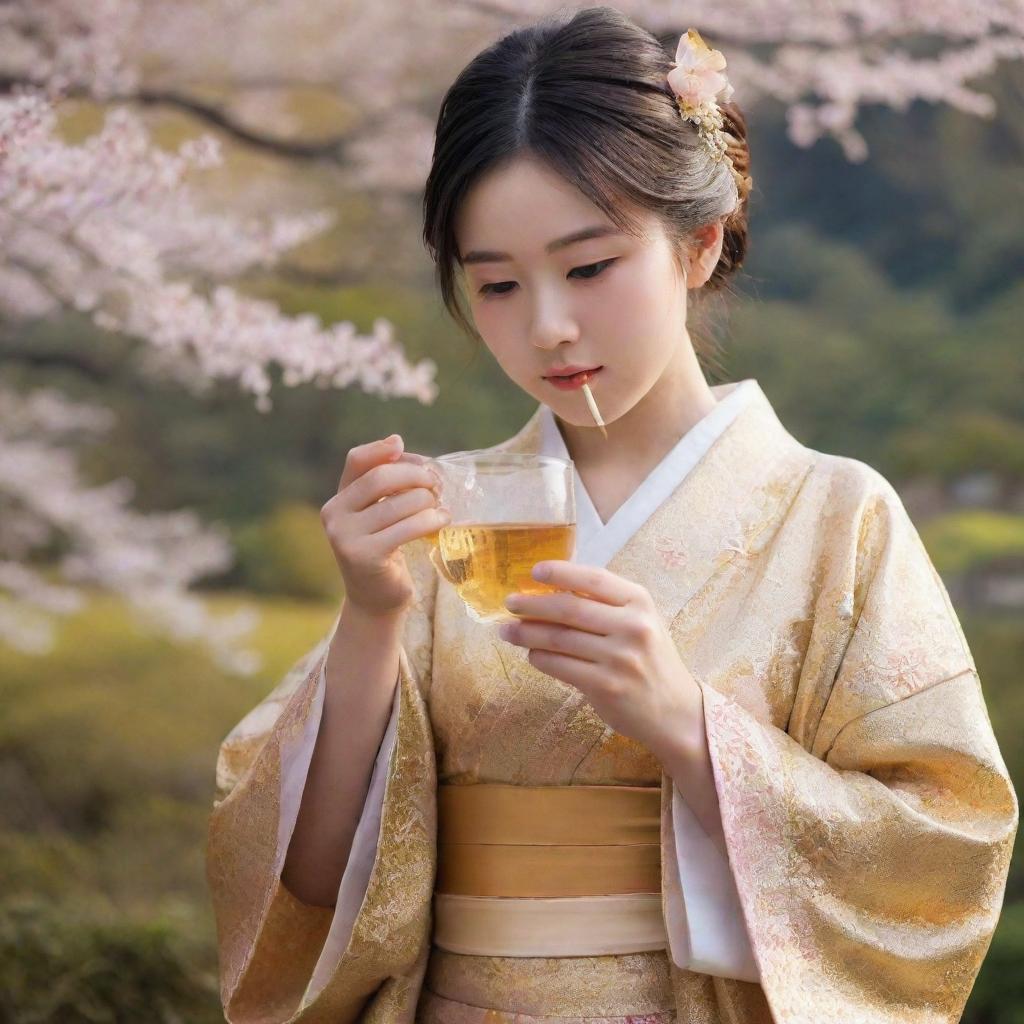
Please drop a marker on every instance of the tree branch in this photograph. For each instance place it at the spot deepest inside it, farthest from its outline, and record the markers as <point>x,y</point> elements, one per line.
<point>58,360</point>
<point>332,148</point>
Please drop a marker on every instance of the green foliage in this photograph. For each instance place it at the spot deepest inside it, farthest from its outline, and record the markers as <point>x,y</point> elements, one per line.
<point>963,540</point>
<point>138,721</point>
<point>62,968</point>
<point>288,553</point>
<point>107,754</point>
<point>972,441</point>
<point>137,717</point>
<point>998,994</point>
<point>997,644</point>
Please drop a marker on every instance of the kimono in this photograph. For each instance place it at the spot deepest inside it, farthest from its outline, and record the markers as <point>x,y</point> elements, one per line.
<point>868,813</point>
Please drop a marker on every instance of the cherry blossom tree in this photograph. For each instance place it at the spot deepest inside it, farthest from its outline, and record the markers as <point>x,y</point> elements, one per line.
<point>120,230</point>
<point>111,228</point>
<point>823,62</point>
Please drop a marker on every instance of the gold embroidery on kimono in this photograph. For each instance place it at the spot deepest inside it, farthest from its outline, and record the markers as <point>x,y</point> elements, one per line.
<point>868,813</point>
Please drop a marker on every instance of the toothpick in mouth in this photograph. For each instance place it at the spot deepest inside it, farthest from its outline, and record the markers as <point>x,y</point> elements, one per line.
<point>595,412</point>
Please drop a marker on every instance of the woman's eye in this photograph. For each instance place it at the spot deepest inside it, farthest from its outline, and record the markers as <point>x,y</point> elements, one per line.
<point>591,266</point>
<point>492,289</point>
<point>597,268</point>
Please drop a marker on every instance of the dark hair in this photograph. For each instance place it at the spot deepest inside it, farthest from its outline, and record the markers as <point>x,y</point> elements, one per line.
<point>589,96</point>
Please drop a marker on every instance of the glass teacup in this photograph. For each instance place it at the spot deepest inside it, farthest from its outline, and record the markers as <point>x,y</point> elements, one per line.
<point>509,511</point>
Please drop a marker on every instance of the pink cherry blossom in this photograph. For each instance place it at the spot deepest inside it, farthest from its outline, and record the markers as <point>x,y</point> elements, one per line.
<point>696,79</point>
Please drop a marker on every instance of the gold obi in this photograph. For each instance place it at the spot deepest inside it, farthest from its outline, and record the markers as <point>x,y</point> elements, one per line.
<point>548,870</point>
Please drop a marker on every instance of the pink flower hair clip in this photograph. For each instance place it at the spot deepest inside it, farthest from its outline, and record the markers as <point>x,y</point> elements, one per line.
<point>699,85</point>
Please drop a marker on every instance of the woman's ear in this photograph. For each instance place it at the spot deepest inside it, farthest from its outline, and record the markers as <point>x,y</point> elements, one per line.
<point>702,253</point>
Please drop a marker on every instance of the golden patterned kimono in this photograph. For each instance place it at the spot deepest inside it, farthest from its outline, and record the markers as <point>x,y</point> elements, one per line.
<point>867,810</point>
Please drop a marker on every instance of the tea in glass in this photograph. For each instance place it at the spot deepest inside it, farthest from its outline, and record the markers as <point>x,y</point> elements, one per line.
<point>509,512</point>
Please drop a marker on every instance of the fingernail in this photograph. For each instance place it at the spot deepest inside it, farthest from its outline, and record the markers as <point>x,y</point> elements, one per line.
<point>541,571</point>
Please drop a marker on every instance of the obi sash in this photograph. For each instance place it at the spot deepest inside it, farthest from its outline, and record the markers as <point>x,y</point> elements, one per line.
<point>548,870</point>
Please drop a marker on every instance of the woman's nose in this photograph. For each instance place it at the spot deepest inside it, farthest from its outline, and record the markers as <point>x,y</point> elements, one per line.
<point>553,324</point>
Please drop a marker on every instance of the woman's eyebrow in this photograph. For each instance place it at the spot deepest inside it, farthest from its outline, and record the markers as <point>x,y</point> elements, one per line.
<point>594,231</point>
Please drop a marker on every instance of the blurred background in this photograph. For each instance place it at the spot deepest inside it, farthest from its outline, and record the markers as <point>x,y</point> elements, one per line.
<point>212,286</point>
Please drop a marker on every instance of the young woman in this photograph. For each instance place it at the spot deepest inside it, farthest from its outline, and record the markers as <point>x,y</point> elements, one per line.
<point>738,767</point>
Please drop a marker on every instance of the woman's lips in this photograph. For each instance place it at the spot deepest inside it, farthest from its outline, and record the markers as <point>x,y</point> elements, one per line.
<point>577,380</point>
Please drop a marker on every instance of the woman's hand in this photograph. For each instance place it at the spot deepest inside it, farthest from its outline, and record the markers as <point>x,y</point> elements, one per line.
<point>386,497</point>
<point>608,640</point>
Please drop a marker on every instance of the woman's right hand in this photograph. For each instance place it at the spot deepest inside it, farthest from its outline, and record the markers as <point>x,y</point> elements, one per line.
<point>386,497</point>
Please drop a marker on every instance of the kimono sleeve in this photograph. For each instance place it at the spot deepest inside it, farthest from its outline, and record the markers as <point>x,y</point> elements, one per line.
<point>281,959</point>
<point>703,915</point>
<point>871,855</point>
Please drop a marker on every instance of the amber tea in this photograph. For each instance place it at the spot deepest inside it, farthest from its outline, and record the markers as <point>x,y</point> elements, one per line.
<point>509,512</point>
<point>488,561</point>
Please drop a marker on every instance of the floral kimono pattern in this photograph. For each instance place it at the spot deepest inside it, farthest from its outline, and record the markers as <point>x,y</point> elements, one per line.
<point>868,813</point>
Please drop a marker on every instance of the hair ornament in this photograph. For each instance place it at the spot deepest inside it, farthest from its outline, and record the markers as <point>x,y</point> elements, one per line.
<point>699,85</point>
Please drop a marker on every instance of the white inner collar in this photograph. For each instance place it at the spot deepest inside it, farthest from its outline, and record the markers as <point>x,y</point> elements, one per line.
<point>598,542</point>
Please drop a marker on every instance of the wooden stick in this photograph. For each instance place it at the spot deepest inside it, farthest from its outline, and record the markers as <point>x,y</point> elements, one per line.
<point>595,412</point>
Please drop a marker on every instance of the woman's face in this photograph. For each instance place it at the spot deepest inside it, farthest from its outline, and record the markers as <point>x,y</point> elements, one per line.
<point>614,301</point>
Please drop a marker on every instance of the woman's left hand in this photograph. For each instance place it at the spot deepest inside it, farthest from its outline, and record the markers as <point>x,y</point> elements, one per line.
<point>602,634</point>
